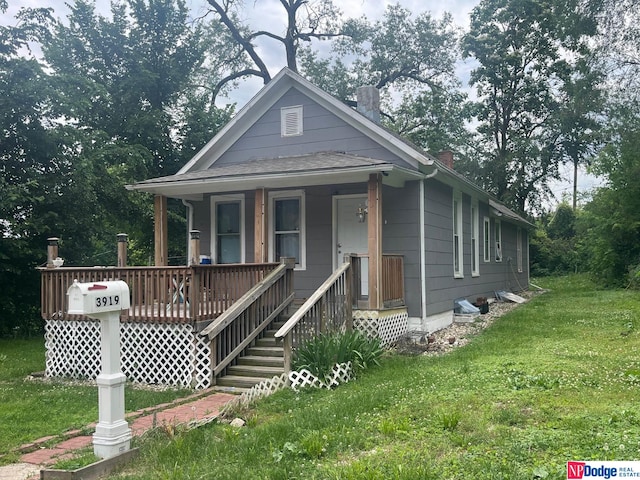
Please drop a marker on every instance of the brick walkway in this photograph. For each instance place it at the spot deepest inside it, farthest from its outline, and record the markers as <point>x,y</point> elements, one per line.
<point>197,409</point>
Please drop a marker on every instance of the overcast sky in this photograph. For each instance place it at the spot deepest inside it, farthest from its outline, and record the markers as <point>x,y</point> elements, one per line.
<point>267,14</point>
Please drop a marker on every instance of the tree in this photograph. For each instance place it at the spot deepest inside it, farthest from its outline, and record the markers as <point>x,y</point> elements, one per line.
<point>579,120</point>
<point>562,224</point>
<point>407,57</point>
<point>126,86</point>
<point>399,51</point>
<point>610,225</point>
<point>31,171</point>
<point>618,44</point>
<point>436,120</point>
<point>526,50</point>
<point>305,21</point>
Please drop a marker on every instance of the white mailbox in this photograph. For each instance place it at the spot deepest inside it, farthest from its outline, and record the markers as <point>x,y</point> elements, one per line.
<point>97,297</point>
<point>104,301</point>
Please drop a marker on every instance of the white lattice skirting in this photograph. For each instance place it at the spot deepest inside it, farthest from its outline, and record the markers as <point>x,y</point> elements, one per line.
<point>387,325</point>
<point>162,354</point>
<point>263,389</point>
<point>341,373</point>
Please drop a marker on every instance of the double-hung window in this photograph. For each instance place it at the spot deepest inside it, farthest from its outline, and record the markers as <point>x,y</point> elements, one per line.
<point>519,249</point>
<point>287,227</point>
<point>498,239</point>
<point>487,239</point>
<point>475,246</point>
<point>228,229</point>
<point>458,270</point>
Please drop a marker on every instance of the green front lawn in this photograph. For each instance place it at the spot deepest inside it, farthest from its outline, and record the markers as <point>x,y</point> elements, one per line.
<point>557,379</point>
<point>32,409</point>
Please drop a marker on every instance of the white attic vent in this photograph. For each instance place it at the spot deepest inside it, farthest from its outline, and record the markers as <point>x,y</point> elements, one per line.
<point>291,121</point>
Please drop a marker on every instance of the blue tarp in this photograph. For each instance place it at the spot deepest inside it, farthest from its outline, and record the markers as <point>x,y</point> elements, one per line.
<point>462,305</point>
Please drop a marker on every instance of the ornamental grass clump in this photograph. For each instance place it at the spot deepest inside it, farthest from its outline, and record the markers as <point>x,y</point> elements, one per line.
<point>320,354</point>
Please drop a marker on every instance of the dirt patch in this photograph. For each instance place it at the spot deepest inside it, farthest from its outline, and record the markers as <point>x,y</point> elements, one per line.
<point>457,334</point>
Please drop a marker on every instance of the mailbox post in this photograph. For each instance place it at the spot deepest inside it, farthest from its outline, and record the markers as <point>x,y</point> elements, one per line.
<point>104,301</point>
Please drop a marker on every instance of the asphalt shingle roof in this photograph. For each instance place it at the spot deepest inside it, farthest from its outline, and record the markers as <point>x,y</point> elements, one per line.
<point>310,163</point>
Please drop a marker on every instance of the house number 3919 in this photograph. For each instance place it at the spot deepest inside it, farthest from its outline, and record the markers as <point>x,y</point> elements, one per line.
<point>107,301</point>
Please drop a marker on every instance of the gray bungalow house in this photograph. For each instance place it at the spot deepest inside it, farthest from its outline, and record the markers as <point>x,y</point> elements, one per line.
<point>299,197</point>
<point>299,174</point>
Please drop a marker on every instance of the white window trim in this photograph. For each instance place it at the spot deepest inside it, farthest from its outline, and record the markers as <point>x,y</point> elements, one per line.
<point>291,124</point>
<point>475,230</point>
<point>486,235</point>
<point>457,226</point>
<point>229,198</point>
<point>497,239</point>
<point>303,228</point>
<point>519,249</point>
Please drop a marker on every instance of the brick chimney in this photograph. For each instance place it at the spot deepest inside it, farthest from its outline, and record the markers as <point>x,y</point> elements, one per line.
<point>368,102</point>
<point>446,158</point>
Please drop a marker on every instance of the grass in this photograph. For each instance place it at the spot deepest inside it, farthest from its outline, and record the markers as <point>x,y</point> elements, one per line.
<point>555,380</point>
<point>32,409</point>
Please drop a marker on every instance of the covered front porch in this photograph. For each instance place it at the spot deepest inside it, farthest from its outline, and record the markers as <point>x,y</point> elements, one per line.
<point>259,258</point>
<point>321,209</point>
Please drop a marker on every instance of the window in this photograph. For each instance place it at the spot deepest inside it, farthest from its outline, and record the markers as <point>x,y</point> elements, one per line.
<point>287,227</point>
<point>519,249</point>
<point>458,270</point>
<point>487,239</point>
<point>475,247</point>
<point>291,121</point>
<point>228,229</point>
<point>497,238</point>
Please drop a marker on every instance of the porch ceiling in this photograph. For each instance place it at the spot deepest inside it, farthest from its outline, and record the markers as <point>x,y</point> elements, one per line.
<point>295,171</point>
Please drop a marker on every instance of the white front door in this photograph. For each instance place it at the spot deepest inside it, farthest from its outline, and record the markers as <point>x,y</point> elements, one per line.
<point>351,233</point>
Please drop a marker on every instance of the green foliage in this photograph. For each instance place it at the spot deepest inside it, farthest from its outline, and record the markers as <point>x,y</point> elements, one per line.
<point>449,420</point>
<point>32,173</point>
<point>51,407</point>
<point>116,104</point>
<point>562,224</point>
<point>527,52</point>
<point>609,228</point>
<point>552,246</point>
<point>435,121</point>
<point>552,380</point>
<point>401,49</point>
<point>321,353</point>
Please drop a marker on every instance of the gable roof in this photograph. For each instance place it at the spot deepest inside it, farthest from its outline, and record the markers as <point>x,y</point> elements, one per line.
<point>270,94</point>
<point>201,174</point>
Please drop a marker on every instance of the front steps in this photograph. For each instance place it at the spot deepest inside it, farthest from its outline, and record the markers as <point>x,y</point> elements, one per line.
<point>264,360</point>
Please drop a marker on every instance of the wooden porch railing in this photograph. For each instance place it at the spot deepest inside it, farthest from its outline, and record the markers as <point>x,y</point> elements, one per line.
<point>392,279</point>
<point>327,310</point>
<point>158,294</point>
<point>240,325</point>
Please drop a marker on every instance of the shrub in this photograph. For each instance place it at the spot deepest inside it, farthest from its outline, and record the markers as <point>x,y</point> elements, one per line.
<point>321,353</point>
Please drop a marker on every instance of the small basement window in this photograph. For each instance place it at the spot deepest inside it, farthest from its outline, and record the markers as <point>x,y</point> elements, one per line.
<point>291,121</point>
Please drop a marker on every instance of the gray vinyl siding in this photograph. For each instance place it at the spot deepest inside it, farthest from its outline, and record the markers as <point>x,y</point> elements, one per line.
<point>202,222</point>
<point>401,236</point>
<point>322,132</point>
<point>442,288</point>
<point>319,241</point>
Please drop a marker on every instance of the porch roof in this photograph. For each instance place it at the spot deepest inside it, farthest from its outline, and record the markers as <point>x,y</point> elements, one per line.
<point>298,170</point>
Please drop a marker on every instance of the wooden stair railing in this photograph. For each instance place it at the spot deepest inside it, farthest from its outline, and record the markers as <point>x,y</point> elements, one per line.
<point>242,323</point>
<point>327,310</point>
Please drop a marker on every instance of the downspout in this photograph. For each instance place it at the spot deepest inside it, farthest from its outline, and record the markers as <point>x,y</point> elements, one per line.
<point>423,266</point>
<point>189,225</point>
